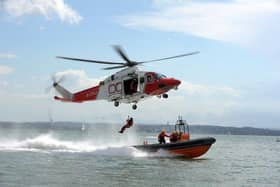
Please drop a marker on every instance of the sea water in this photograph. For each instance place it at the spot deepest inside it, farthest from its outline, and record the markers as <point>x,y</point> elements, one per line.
<point>102,157</point>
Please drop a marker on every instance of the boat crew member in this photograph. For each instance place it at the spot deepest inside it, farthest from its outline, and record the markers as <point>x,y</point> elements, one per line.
<point>129,123</point>
<point>174,137</point>
<point>161,137</point>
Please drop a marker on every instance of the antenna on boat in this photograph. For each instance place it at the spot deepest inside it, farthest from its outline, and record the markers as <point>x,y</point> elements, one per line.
<point>168,126</point>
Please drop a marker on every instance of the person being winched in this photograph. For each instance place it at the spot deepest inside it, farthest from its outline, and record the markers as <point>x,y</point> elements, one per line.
<point>161,137</point>
<point>129,123</point>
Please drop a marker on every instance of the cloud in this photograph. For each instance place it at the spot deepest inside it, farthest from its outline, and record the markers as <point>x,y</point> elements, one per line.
<point>4,84</point>
<point>7,56</point>
<point>203,100</point>
<point>46,8</point>
<point>191,89</point>
<point>244,22</point>
<point>77,79</point>
<point>4,70</point>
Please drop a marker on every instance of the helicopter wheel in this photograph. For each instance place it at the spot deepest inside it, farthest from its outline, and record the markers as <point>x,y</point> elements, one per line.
<point>116,103</point>
<point>134,107</point>
<point>165,96</point>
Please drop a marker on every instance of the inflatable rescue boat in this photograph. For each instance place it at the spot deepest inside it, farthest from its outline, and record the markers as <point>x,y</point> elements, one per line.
<point>182,145</point>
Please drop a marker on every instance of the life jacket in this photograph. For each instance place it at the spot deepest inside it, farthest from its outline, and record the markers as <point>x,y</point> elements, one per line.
<point>173,137</point>
<point>161,134</point>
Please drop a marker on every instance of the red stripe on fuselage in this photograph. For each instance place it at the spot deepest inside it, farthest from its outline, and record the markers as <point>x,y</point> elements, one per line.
<point>86,95</point>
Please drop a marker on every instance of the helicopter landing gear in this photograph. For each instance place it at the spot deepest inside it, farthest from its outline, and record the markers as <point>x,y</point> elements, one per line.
<point>116,103</point>
<point>165,96</point>
<point>134,106</point>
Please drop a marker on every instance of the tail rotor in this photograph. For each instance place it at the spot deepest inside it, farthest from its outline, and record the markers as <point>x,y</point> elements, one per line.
<point>55,81</point>
<point>56,85</point>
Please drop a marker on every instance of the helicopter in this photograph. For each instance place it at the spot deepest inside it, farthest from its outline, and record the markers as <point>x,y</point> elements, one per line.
<point>129,85</point>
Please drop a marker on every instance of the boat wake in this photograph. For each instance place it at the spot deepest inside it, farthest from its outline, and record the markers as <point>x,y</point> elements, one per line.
<point>48,144</point>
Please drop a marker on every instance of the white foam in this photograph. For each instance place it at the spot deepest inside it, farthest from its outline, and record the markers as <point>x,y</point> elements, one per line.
<point>47,143</point>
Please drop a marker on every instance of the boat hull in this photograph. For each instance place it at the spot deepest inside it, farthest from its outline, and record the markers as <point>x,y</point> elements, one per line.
<point>190,149</point>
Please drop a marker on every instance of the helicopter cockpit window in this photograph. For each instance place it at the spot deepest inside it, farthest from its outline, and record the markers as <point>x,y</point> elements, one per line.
<point>149,78</point>
<point>160,76</point>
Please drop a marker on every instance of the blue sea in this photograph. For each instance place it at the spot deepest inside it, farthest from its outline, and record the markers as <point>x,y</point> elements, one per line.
<point>97,156</point>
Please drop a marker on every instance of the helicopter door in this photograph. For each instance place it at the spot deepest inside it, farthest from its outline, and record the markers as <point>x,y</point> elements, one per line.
<point>141,84</point>
<point>130,86</point>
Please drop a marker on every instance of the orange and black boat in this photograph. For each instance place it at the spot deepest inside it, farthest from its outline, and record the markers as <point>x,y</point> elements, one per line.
<point>182,145</point>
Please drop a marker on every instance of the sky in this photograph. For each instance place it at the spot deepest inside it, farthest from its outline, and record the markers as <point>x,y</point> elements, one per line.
<point>233,81</point>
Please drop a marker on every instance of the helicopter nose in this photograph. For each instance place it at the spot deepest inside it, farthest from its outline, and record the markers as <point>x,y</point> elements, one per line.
<point>173,82</point>
<point>170,82</point>
<point>176,82</point>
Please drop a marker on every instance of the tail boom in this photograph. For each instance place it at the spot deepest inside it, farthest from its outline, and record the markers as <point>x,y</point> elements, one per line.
<point>87,95</point>
<point>66,95</point>
<point>78,97</point>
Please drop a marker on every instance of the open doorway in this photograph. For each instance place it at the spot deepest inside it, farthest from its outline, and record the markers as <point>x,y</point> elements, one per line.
<point>130,86</point>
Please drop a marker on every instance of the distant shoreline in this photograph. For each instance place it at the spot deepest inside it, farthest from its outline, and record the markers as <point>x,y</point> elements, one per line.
<point>194,129</point>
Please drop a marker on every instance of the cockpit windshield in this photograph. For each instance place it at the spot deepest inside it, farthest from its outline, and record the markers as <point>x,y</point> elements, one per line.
<point>159,76</point>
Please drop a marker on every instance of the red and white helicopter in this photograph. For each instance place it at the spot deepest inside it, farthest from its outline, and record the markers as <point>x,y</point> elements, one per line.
<point>130,85</point>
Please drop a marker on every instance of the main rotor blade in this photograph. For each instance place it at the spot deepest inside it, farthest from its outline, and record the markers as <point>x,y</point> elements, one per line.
<point>90,61</point>
<point>120,51</point>
<point>114,67</point>
<point>177,56</point>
